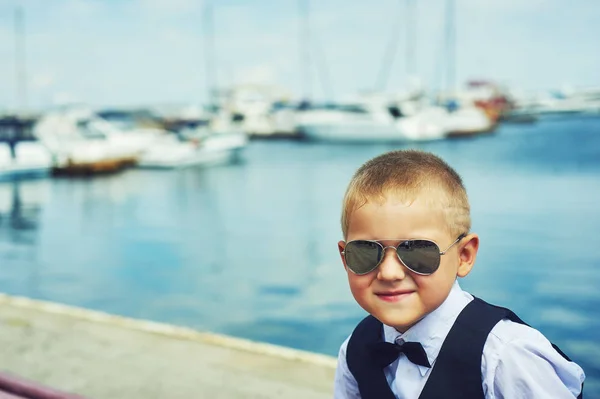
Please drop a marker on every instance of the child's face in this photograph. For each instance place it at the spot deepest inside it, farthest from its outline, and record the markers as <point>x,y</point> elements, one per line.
<point>393,294</point>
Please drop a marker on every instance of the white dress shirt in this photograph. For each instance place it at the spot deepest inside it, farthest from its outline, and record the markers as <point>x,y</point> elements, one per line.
<point>518,362</point>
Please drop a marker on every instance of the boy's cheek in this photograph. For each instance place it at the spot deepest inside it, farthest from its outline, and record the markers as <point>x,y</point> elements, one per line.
<point>358,284</point>
<point>358,291</point>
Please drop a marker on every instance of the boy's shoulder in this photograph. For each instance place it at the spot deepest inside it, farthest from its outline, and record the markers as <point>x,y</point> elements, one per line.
<point>507,332</point>
<point>516,357</point>
<point>509,339</point>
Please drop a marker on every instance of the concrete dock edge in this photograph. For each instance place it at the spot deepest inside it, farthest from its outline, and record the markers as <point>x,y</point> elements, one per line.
<point>268,370</point>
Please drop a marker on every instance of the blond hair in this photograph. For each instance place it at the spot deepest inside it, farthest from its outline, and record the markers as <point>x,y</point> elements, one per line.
<point>408,174</point>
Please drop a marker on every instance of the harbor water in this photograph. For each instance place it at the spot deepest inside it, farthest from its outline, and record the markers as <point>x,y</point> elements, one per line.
<point>250,249</point>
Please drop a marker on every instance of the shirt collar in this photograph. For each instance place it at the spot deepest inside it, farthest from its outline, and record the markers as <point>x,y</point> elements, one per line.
<point>431,331</point>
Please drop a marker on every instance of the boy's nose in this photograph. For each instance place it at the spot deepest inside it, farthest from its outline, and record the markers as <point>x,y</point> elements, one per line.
<point>391,268</point>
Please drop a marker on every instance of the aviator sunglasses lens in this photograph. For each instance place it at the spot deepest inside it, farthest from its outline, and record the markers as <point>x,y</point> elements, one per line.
<point>420,256</point>
<point>362,256</point>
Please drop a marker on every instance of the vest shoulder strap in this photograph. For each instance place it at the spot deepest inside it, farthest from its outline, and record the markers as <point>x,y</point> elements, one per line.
<point>457,371</point>
<point>371,380</point>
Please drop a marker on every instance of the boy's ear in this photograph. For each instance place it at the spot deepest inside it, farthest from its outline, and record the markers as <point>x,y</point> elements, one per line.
<point>467,252</point>
<point>341,246</point>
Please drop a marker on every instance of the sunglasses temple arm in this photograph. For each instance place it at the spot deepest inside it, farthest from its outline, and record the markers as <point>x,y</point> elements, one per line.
<point>460,237</point>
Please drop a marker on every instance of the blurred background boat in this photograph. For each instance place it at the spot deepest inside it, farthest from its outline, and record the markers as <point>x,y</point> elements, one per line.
<point>82,142</point>
<point>176,151</point>
<point>372,120</point>
<point>20,155</point>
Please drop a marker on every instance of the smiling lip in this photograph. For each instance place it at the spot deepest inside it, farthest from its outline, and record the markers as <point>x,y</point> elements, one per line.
<point>393,296</point>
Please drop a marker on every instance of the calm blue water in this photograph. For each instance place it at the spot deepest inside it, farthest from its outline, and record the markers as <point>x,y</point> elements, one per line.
<point>250,249</point>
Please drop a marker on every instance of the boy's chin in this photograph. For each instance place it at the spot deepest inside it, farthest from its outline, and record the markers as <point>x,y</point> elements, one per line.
<point>401,324</point>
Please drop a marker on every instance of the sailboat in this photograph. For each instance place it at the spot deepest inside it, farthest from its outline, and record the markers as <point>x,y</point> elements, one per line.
<point>465,115</point>
<point>215,141</point>
<point>20,155</point>
<point>378,118</point>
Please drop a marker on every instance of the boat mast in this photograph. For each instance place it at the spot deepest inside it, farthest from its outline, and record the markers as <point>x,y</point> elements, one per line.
<point>451,46</point>
<point>209,55</point>
<point>304,47</point>
<point>20,61</point>
<point>389,55</point>
<point>307,43</point>
<point>411,27</point>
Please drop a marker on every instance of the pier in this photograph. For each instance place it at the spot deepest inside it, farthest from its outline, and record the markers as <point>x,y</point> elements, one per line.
<point>99,355</point>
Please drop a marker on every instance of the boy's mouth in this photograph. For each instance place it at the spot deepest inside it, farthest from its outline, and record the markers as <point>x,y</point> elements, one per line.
<point>393,296</point>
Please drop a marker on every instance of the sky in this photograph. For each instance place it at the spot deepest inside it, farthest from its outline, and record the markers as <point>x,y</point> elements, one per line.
<point>144,52</point>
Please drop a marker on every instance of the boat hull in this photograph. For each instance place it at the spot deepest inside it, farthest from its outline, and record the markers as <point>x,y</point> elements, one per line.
<point>352,133</point>
<point>218,148</point>
<point>19,173</point>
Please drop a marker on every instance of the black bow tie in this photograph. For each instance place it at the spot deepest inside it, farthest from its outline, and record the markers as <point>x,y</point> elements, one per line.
<point>384,353</point>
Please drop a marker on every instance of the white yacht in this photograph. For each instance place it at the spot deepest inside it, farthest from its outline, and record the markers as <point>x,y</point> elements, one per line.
<point>81,141</point>
<point>372,122</point>
<point>173,152</point>
<point>30,159</point>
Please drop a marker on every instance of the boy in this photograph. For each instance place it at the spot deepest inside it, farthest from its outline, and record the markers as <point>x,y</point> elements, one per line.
<point>406,225</point>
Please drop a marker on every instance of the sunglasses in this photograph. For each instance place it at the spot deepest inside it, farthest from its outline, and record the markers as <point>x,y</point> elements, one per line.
<point>419,256</point>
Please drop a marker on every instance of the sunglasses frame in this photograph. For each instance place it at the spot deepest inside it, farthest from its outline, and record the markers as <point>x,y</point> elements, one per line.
<point>384,248</point>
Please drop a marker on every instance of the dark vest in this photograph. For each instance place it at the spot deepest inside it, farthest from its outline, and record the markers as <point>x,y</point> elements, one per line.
<point>457,370</point>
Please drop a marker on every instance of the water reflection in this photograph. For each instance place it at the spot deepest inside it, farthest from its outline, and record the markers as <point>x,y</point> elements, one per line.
<point>20,218</point>
<point>19,211</point>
